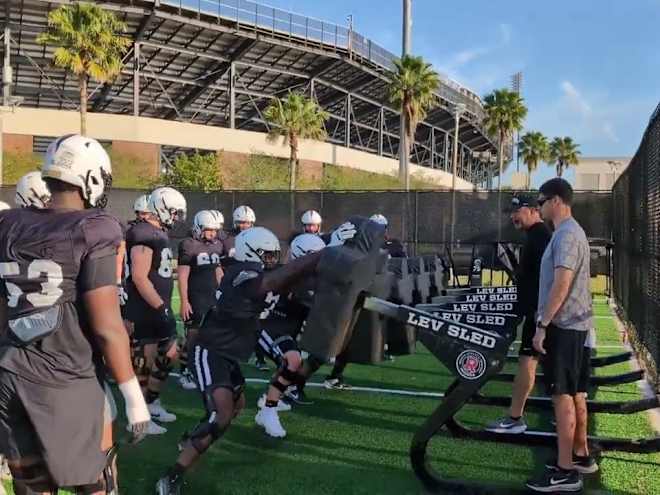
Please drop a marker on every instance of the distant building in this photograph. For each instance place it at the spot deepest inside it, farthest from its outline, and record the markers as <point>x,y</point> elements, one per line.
<point>599,173</point>
<point>519,181</point>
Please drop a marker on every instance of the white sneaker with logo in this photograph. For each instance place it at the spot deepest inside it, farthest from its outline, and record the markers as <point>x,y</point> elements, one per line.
<point>159,413</point>
<point>270,421</point>
<point>281,406</point>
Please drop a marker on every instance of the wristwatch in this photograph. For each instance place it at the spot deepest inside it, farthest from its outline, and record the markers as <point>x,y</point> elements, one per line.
<point>539,324</point>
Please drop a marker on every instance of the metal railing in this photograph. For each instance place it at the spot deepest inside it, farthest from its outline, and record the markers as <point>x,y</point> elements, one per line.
<point>281,23</point>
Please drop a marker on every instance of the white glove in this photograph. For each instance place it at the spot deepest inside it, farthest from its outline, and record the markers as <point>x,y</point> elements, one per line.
<point>136,408</point>
<point>344,232</point>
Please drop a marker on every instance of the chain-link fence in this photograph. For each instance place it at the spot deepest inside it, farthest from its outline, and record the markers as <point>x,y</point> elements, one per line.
<point>421,220</point>
<point>636,233</point>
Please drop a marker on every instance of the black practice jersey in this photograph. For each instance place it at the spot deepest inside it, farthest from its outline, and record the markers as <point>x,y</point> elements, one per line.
<point>290,311</point>
<point>231,326</point>
<point>529,268</point>
<point>48,259</point>
<point>395,248</point>
<point>160,273</point>
<point>203,258</point>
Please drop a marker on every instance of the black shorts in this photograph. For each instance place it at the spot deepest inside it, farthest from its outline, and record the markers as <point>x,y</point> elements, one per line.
<point>276,347</point>
<point>63,425</point>
<point>566,363</point>
<point>213,370</point>
<point>528,332</point>
<point>148,328</point>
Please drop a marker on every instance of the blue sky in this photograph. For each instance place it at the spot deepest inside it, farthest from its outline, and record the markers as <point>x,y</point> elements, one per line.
<point>591,67</point>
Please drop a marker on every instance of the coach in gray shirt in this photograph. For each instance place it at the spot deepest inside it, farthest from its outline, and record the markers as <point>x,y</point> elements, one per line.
<point>564,319</point>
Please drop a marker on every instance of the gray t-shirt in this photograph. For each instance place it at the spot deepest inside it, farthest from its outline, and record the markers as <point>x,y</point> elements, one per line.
<point>568,248</point>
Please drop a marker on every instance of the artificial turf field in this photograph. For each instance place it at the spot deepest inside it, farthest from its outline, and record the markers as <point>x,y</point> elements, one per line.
<point>351,442</point>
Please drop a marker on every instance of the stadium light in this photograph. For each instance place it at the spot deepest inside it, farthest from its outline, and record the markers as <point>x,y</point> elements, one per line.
<point>459,110</point>
<point>404,174</point>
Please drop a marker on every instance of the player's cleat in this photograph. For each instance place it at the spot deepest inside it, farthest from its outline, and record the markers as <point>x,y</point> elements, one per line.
<point>159,413</point>
<point>168,486</point>
<point>281,405</point>
<point>270,421</point>
<point>555,480</point>
<point>336,384</point>
<point>187,382</point>
<point>507,425</point>
<point>296,396</point>
<point>152,429</point>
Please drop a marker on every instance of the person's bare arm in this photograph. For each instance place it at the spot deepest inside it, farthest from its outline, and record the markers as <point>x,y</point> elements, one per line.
<point>140,266</point>
<point>121,255</point>
<point>560,286</point>
<point>219,273</point>
<point>183,273</point>
<point>108,329</point>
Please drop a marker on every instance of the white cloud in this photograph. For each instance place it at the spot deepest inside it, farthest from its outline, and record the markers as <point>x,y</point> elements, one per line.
<point>576,99</point>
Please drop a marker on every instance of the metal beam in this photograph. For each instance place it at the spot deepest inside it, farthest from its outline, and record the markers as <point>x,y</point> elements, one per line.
<point>215,72</point>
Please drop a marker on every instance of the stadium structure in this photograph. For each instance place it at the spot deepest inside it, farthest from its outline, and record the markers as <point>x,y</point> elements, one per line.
<point>220,62</point>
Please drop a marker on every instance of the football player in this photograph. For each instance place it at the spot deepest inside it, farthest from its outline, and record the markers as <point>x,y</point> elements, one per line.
<point>59,312</point>
<point>141,208</point>
<point>149,286</point>
<point>311,221</point>
<point>228,336</point>
<point>243,218</point>
<point>199,273</point>
<point>392,246</point>
<point>279,331</point>
<point>31,191</point>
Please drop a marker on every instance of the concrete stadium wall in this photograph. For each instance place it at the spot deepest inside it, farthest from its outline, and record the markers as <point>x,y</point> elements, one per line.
<point>131,131</point>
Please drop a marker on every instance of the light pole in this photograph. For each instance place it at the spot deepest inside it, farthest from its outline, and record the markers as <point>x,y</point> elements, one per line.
<point>404,176</point>
<point>459,110</point>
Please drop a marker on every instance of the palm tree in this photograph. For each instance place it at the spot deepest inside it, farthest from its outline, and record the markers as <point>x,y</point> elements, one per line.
<point>412,90</point>
<point>505,113</point>
<point>533,148</point>
<point>564,153</point>
<point>88,44</point>
<point>295,118</point>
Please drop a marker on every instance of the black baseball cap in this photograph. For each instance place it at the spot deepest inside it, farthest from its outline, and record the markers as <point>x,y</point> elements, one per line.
<point>522,200</point>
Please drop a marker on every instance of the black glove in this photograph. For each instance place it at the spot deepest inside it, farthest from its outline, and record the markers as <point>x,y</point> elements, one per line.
<point>167,319</point>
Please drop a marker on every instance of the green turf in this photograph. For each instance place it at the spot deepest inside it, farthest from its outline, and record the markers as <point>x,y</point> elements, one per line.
<point>357,443</point>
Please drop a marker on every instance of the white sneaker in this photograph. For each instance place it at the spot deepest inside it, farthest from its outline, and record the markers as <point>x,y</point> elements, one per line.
<point>270,421</point>
<point>281,406</point>
<point>186,382</point>
<point>159,413</point>
<point>152,429</point>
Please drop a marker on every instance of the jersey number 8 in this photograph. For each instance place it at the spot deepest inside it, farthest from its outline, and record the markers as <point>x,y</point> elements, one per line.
<point>50,289</point>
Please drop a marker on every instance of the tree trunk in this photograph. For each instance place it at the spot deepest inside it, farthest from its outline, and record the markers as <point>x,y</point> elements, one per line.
<point>293,162</point>
<point>500,161</point>
<point>82,85</point>
<point>529,176</point>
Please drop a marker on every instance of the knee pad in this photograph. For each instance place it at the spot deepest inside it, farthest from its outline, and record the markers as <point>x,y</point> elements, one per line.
<point>162,368</point>
<point>278,384</point>
<point>207,428</point>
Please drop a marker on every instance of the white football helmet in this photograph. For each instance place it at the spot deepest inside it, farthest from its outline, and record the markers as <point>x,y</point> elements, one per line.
<point>206,220</point>
<point>31,190</point>
<point>4,206</point>
<point>168,205</point>
<point>141,204</point>
<point>380,219</point>
<point>243,214</point>
<point>305,244</point>
<point>221,217</point>
<point>311,217</point>
<point>82,162</point>
<point>257,245</point>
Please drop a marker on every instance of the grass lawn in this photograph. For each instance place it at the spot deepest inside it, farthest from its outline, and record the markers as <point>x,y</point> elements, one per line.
<point>357,442</point>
